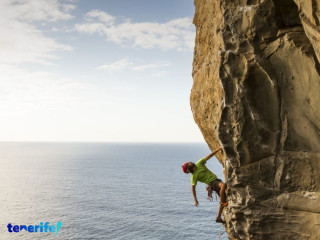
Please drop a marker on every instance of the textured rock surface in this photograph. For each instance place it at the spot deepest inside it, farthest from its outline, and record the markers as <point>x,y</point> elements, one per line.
<point>257,92</point>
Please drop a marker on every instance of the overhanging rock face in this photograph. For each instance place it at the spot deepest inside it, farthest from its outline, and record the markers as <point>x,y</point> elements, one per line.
<point>257,92</point>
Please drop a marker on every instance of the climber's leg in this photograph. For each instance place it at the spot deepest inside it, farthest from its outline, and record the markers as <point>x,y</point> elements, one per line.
<point>222,193</point>
<point>219,219</point>
<point>220,188</point>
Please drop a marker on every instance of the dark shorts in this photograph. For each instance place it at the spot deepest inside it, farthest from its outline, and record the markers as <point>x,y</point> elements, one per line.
<point>215,186</point>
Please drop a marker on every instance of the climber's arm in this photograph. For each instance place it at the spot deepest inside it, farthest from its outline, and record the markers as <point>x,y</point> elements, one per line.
<point>212,154</point>
<point>195,195</point>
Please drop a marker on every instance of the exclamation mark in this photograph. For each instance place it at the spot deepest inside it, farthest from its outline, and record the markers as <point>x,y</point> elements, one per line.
<point>58,226</point>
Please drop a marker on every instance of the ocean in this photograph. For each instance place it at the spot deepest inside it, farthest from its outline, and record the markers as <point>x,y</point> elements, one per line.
<point>105,191</point>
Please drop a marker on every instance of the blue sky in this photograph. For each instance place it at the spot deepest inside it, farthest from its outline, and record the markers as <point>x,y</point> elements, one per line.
<point>78,70</point>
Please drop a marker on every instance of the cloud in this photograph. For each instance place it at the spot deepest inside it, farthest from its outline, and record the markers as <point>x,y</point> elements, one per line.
<point>125,64</point>
<point>21,40</point>
<point>37,10</point>
<point>23,91</point>
<point>177,34</point>
<point>91,28</point>
<point>116,66</point>
<point>68,7</point>
<point>101,16</point>
<point>141,68</point>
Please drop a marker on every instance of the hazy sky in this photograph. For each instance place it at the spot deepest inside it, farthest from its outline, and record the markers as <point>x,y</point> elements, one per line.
<point>98,70</point>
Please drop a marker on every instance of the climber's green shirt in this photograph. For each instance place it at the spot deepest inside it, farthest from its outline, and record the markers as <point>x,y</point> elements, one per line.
<point>202,173</point>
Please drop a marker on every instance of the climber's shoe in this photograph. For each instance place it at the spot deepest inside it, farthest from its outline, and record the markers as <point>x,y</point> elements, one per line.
<point>219,220</point>
<point>224,204</point>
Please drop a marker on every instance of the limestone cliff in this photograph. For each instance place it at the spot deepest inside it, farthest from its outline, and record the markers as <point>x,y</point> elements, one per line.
<point>256,92</point>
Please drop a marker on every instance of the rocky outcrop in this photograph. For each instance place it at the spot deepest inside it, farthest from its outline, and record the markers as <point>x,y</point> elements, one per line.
<point>257,92</point>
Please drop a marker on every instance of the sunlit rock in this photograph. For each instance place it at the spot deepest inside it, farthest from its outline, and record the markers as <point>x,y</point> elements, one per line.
<point>257,92</point>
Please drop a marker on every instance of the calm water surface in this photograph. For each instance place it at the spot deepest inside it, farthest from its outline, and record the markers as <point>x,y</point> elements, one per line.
<point>105,191</point>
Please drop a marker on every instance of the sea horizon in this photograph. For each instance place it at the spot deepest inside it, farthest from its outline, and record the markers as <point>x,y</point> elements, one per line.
<point>130,142</point>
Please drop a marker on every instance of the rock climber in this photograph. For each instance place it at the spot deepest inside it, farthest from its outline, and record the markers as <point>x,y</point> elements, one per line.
<point>201,173</point>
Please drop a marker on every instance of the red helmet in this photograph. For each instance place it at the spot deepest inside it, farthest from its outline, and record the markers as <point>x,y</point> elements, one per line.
<point>184,167</point>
